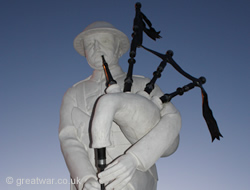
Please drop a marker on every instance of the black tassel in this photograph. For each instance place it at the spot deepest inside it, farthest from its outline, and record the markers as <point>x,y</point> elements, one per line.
<point>151,32</point>
<point>209,118</point>
<point>207,112</point>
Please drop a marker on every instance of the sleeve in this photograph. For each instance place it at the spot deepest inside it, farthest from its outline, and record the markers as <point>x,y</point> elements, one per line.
<point>74,151</point>
<point>168,108</point>
<point>161,141</point>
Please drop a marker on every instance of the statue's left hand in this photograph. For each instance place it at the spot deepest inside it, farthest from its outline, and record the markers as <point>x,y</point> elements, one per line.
<point>91,184</point>
<point>119,172</point>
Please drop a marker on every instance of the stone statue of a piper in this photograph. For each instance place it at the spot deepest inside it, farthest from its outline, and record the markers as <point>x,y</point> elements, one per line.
<point>132,145</point>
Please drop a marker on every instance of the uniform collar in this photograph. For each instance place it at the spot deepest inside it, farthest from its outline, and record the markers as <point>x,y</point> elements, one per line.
<point>98,75</point>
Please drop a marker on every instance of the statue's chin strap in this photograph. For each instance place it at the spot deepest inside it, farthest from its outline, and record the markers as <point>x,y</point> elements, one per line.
<point>207,112</point>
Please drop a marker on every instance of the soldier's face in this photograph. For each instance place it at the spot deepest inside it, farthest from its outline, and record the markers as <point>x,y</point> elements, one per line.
<point>98,44</point>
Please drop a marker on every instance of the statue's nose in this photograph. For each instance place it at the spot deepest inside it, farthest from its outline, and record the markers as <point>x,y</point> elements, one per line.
<point>96,45</point>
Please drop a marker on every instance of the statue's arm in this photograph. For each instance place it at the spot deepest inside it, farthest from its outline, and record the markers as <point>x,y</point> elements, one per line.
<point>162,140</point>
<point>74,151</point>
<point>145,152</point>
<point>158,92</point>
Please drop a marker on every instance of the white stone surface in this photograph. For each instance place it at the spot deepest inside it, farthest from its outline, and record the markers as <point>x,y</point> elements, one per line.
<point>133,113</point>
<point>131,164</point>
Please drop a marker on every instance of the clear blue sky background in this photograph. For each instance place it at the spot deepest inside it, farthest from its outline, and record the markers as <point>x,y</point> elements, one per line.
<point>38,64</point>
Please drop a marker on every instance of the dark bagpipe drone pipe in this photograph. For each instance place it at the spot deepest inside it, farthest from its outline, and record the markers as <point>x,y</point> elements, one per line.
<point>139,27</point>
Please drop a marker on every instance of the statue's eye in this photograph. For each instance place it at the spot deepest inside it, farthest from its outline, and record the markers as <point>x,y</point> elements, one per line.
<point>88,44</point>
<point>105,41</point>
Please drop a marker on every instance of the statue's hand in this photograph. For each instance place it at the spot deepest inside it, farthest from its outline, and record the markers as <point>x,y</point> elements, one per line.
<point>119,173</point>
<point>92,184</point>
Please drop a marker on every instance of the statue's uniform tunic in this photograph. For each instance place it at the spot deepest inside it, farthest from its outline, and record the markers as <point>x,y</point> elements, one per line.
<point>74,131</point>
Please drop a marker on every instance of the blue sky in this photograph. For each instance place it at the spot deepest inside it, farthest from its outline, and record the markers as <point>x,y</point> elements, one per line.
<point>38,64</point>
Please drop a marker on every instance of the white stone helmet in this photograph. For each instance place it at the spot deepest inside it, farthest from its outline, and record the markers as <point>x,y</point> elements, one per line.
<point>101,26</point>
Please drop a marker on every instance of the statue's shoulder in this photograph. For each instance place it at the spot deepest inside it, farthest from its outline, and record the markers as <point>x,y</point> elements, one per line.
<point>140,82</point>
<point>140,77</point>
<point>82,82</point>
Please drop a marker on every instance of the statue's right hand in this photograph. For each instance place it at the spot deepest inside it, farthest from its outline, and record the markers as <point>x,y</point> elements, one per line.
<point>91,184</point>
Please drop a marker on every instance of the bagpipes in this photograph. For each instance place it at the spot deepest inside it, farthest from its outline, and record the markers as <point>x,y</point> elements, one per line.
<point>102,119</point>
<point>140,27</point>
